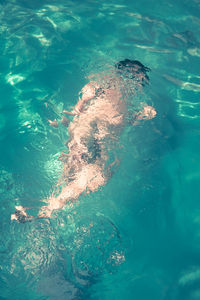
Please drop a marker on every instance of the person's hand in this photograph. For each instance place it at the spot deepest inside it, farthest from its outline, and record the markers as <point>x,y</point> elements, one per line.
<point>72,113</point>
<point>53,123</point>
<point>149,112</point>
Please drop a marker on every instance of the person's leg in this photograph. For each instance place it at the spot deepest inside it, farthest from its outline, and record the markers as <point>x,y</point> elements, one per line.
<point>89,179</point>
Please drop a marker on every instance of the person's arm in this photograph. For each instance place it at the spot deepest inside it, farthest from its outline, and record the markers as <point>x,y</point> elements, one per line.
<point>88,92</point>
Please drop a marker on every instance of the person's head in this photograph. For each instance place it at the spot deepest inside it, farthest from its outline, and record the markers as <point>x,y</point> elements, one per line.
<point>133,69</point>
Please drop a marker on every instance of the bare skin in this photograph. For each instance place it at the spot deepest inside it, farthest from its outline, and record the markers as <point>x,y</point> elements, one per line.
<point>148,112</point>
<point>22,214</point>
<point>102,112</point>
<point>98,115</point>
<point>53,123</point>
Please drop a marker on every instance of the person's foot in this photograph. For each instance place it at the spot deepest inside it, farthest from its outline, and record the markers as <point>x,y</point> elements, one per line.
<point>20,215</point>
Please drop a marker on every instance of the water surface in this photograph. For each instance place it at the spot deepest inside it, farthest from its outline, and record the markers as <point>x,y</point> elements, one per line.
<point>138,237</point>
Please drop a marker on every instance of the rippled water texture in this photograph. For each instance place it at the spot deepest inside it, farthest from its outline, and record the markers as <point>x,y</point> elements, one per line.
<point>139,237</point>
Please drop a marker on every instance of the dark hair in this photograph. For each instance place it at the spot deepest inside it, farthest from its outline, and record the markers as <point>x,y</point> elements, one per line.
<point>132,68</point>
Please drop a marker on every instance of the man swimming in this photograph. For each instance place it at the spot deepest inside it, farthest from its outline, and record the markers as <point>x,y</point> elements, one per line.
<point>98,118</point>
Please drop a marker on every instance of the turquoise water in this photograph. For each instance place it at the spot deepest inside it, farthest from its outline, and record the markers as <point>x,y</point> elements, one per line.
<point>139,237</point>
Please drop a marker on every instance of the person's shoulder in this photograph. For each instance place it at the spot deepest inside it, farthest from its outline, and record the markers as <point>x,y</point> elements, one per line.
<point>89,90</point>
<point>90,86</point>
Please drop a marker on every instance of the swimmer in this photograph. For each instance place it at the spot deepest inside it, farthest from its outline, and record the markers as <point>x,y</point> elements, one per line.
<point>98,117</point>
